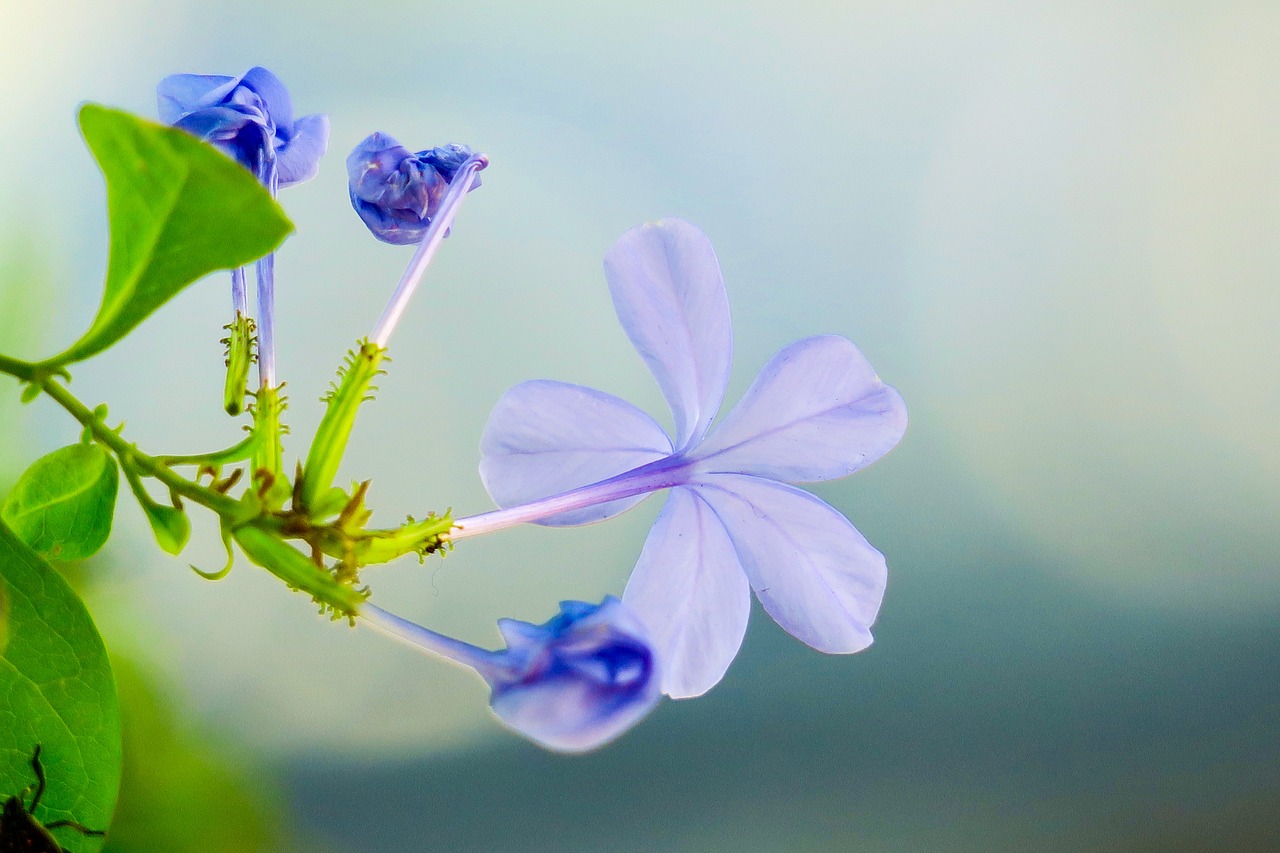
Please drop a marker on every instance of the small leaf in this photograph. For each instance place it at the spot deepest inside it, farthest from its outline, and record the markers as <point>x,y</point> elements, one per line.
<point>56,690</point>
<point>178,210</point>
<point>171,526</point>
<point>62,506</point>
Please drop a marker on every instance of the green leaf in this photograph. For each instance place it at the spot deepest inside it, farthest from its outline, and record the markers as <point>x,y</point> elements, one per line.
<point>178,210</point>
<point>62,506</point>
<point>56,690</point>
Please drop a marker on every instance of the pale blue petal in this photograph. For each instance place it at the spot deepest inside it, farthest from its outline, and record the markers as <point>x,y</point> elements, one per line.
<point>299,160</point>
<point>275,97</point>
<point>810,568</point>
<point>670,298</point>
<point>546,437</point>
<point>816,411</point>
<point>691,592</point>
<point>179,94</point>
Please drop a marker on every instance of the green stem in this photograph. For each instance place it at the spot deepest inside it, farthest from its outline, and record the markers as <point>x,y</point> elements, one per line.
<point>130,455</point>
<point>240,452</point>
<point>269,454</point>
<point>418,537</point>
<point>22,370</point>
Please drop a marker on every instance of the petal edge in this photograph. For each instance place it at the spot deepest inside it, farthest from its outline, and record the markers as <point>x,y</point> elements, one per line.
<point>670,298</point>
<point>812,570</point>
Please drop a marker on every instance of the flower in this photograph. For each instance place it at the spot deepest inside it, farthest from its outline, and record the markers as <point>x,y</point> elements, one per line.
<point>571,684</point>
<point>250,118</point>
<point>396,192</point>
<point>732,522</point>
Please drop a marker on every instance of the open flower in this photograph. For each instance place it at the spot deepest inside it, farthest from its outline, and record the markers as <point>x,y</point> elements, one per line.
<point>571,684</point>
<point>396,192</point>
<point>249,117</point>
<point>733,522</point>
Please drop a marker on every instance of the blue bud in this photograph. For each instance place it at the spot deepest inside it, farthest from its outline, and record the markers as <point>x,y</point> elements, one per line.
<point>571,684</point>
<point>251,119</point>
<point>577,681</point>
<point>396,192</point>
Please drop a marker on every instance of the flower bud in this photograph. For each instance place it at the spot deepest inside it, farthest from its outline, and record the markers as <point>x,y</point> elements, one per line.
<point>396,192</point>
<point>579,680</point>
<point>571,684</point>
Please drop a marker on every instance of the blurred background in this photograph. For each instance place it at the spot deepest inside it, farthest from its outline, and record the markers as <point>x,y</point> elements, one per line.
<point>1052,226</point>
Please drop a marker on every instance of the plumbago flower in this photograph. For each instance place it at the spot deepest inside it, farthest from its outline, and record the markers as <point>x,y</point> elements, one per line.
<point>396,192</point>
<point>571,684</point>
<point>733,522</point>
<point>587,675</point>
<point>251,119</point>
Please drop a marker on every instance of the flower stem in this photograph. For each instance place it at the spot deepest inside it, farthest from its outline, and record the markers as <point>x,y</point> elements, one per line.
<point>266,269</point>
<point>284,561</point>
<point>439,226</point>
<point>131,456</point>
<point>24,371</point>
<point>267,321</point>
<point>660,474</point>
<point>240,452</point>
<point>239,293</point>
<point>413,634</point>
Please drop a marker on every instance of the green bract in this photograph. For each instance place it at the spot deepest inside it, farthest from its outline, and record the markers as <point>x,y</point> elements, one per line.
<point>178,209</point>
<point>62,506</point>
<point>171,526</point>
<point>58,692</point>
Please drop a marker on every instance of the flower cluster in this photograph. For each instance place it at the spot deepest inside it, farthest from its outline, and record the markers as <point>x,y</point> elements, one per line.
<point>251,119</point>
<point>560,455</point>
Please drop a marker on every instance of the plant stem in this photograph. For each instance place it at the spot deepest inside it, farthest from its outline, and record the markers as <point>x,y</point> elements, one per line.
<point>240,452</point>
<point>22,370</point>
<point>128,454</point>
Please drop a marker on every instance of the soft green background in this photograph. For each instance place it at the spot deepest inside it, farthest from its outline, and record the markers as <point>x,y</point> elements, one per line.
<point>1052,226</point>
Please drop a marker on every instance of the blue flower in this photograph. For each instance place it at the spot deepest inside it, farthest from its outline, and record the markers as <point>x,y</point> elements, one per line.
<point>250,118</point>
<point>733,522</point>
<point>571,684</point>
<point>396,192</point>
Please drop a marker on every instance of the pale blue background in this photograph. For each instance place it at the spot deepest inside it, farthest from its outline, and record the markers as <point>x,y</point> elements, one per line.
<point>1052,226</point>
